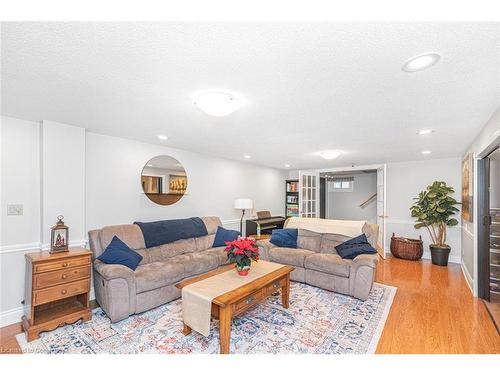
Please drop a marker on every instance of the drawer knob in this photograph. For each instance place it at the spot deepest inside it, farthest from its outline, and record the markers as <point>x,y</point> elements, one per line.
<point>65,264</point>
<point>249,300</point>
<point>63,291</point>
<point>64,276</point>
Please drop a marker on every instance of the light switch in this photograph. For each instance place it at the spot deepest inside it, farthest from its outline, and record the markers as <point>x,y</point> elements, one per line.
<point>14,209</point>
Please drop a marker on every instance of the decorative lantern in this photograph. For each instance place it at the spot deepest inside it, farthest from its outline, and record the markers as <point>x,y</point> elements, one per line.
<point>59,236</point>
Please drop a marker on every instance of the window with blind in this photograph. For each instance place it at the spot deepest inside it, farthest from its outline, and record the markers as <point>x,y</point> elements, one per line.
<point>341,184</point>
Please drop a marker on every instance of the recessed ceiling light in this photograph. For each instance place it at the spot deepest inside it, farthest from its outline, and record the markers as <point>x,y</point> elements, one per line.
<point>425,131</point>
<point>287,165</point>
<point>426,152</point>
<point>421,62</point>
<point>216,103</point>
<point>162,137</point>
<point>330,154</point>
<point>247,156</point>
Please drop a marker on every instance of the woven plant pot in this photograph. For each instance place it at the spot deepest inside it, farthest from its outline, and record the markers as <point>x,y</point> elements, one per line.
<point>407,248</point>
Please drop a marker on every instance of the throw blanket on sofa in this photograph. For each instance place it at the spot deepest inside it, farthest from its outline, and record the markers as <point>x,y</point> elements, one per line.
<point>162,232</point>
<point>349,228</point>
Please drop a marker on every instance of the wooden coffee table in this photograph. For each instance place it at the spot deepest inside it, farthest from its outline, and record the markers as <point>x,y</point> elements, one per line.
<point>239,300</point>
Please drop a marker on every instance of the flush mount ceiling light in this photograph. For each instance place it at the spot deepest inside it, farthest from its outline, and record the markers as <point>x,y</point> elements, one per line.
<point>247,156</point>
<point>162,137</point>
<point>287,165</point>
<point>421,62</point>
<point>425,131</point>
<point>216,103</point>
<point>330,154</point>
<point>426,152</point>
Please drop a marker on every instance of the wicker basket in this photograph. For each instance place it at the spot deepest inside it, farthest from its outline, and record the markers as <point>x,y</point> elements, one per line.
<point>407,248</point>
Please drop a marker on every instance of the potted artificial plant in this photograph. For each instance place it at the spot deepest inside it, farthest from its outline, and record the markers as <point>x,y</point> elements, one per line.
<point>433,209</point>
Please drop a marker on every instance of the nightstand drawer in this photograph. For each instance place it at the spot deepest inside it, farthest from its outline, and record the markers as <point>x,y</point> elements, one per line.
<point>59,292</point>
<point>61,264</point>
<point>48,279</point>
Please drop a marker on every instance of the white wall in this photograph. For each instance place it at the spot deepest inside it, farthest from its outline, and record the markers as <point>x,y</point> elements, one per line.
<point>345,205</point>
<point>94,180</point>
<point>63,180</point>
<point>114,192</point>
<point>404,181</point>
<point>20,183</point>
<point>488,138</point>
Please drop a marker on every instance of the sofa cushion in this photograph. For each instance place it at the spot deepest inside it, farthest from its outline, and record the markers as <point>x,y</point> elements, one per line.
<point>328,263</point>
<point>284,238</point>
<point>292,257</point>
<point>219,253</point>
<point>211,223</point>
<point>131,234</point>
<point>157,274</point>
<point>329,241</point>
<point>204,242</point>
<point>164,252</point>
<point>354,247</point>
<point>309,240</point>
<point>197,263</point>
<point>117,252</point>
<point>224,235</point>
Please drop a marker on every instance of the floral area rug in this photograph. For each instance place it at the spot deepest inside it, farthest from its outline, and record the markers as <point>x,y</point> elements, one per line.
<point>318,321</point>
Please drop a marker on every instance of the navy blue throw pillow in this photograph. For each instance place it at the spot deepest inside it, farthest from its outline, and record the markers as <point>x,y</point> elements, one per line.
<point>350,249</point>
<point>284,238</point>
<point>118,252</point>
<point>224,235</point>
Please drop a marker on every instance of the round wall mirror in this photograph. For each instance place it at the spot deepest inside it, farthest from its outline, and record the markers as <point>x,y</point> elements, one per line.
<point>164,180</point>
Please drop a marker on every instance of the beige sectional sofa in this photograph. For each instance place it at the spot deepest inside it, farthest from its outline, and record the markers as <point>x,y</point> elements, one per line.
<point>122,292</point>
<point>317,263</point>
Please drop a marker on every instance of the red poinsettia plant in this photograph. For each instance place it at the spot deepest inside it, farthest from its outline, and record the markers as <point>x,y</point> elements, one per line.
<point>242,251</point>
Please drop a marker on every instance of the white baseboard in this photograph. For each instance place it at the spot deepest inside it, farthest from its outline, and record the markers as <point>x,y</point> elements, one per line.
<point>468,279</point>
<point>11,316</point>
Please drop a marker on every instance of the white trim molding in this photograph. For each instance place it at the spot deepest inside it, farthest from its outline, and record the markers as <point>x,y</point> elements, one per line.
<point>33,246</point>
<point>11,316</point>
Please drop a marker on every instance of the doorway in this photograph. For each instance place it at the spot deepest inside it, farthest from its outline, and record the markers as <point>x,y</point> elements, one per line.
<point>314,184</point>
<point>349,195</point>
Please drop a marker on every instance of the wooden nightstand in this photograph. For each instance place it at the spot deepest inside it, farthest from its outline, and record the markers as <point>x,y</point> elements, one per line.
<point>57,290</point>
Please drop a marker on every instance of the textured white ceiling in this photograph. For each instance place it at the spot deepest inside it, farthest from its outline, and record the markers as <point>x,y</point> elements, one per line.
<point>307,86</point>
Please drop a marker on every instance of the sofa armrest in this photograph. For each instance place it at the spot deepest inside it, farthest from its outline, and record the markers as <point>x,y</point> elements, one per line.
<point>115,289</point>
<point>369,260</point>
<point>113,271</point>
<point>264,247</point>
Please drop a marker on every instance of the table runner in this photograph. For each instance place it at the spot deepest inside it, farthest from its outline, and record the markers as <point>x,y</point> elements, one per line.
<point>197,297</point>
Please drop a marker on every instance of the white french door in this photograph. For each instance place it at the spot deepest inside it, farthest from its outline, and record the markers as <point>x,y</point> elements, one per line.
<point>309,194</point>
<point>381,209</point>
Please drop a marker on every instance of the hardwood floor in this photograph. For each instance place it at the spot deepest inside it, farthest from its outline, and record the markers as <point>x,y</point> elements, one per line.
<point>493,308</point>
<point>433,312</point>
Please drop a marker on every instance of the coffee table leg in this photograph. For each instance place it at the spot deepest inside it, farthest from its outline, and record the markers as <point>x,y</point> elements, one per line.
<point>186,330</point>
<point>285,292</point>
<point>225,329</point>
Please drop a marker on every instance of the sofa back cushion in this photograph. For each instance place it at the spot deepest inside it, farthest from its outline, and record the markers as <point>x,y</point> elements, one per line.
<point>205,242</point>
<point>309,240</point>
<point>130,234</point>
<point>330,240</point>
<point>169,250</point>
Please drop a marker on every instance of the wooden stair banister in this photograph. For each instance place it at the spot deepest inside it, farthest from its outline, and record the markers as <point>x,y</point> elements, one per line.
<point>362,205</point>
